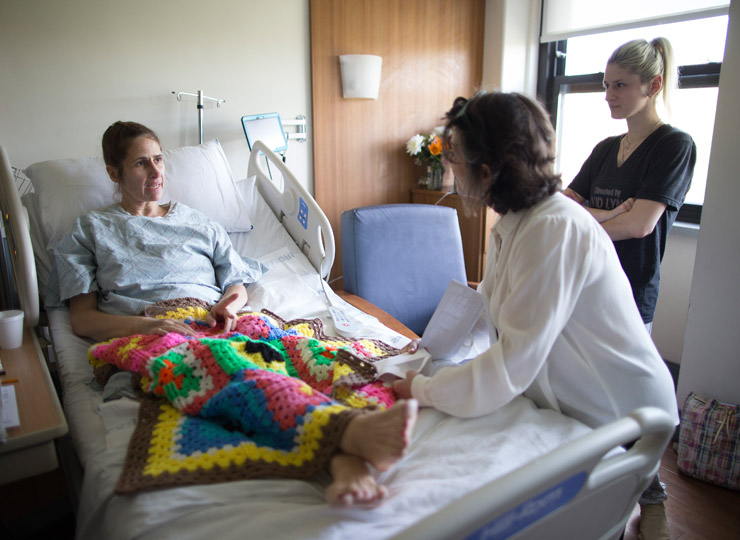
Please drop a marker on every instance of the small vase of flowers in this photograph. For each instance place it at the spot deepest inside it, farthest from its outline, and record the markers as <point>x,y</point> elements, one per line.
<point>427,150</point>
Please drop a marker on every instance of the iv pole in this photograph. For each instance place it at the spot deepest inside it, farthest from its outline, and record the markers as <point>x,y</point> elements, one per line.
<point>200,97</point>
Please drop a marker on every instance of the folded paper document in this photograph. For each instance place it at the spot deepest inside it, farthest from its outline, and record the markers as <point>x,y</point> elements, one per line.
<point>398,365</point>
<point>452,321</point>
<point>451,324</point>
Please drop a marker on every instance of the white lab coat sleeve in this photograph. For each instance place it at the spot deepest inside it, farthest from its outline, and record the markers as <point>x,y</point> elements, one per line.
<point>545,270</point>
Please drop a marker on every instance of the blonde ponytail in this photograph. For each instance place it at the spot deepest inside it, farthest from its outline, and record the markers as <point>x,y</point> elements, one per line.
<point>670,73</point>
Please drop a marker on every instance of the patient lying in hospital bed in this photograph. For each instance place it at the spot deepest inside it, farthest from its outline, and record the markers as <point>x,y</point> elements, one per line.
<point>236,372</point>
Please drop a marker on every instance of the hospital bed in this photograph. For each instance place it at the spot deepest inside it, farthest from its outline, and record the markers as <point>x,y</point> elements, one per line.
<point>520,472</point>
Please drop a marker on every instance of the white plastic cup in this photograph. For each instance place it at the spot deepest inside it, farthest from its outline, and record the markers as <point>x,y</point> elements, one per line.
<point>11,329</point>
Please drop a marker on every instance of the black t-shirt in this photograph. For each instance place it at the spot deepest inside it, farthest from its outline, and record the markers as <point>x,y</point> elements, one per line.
<point>660,170</point>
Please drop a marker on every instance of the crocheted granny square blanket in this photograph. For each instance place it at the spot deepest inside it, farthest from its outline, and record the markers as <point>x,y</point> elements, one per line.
<point>270,398</point>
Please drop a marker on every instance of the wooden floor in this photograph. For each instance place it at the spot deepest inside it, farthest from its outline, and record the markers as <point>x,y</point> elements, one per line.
<point>696,510</point>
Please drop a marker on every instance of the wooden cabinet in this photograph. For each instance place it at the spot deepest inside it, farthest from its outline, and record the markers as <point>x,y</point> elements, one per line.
<point>475,229</point>
<point>29,449</point>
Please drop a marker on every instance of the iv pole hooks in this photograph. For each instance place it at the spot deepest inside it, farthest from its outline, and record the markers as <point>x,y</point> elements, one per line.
<point>200,97</point>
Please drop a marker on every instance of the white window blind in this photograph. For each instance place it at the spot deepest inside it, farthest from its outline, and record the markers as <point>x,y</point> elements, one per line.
<point>563,19</point>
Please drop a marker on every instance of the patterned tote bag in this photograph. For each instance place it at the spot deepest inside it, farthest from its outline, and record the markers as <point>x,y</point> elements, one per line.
<point>709,441</point>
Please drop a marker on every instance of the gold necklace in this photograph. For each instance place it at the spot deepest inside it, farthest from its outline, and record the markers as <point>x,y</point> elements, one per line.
<point>627,146</point>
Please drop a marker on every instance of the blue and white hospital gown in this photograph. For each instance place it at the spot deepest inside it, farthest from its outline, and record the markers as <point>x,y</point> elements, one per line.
<point>135,261</point>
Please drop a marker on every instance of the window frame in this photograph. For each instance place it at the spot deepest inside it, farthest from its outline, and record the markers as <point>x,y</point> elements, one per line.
<point>552,83</point>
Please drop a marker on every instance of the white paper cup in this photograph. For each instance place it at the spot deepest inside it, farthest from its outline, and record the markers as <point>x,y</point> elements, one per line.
<point>11,329</point>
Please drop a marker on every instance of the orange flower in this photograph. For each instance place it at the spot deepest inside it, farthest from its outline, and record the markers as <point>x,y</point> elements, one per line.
<point>435,146</point>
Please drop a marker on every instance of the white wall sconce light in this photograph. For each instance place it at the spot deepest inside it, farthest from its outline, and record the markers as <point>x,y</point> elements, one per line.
<point>360,75</point>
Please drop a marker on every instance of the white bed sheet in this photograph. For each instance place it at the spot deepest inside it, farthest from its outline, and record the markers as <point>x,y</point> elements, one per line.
<point>448,457</point>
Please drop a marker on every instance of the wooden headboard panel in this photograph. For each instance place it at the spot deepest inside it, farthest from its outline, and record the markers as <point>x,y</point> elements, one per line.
<point>432,52</point>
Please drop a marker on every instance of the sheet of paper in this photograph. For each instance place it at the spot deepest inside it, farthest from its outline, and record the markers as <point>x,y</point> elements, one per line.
<point>452,321</point>
<point>397,366</point>
<point>10,407</point>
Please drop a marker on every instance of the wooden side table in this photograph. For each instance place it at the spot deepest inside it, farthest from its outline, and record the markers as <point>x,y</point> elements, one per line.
<point>29,448</point>
<point>371,309</point>
<point>474,229</point>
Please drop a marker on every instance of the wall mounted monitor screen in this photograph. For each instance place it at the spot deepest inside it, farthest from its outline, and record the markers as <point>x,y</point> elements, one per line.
<point>266,128</point>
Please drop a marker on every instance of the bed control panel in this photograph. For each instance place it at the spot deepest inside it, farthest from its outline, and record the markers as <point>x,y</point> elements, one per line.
<point>532,510</point>
<point>303,213</point>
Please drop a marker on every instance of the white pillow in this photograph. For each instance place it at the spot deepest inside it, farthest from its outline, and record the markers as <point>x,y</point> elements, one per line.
<point>198,176</point>
<point>66,189</point>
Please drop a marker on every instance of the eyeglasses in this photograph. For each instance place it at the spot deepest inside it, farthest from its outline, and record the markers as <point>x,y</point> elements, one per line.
<point>449,154</point>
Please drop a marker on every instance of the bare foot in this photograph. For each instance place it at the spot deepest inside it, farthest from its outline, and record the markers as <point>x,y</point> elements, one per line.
<point>381,437</point>
<point>353,483</point>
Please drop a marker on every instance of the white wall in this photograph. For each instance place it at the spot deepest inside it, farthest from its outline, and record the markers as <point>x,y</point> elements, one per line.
<point>72,67</point>
<point>511,45</point>
<point>675,284</point>
<point>711,355</point>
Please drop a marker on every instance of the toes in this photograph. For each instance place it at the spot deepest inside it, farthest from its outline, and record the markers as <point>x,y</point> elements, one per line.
<point>362,497</point>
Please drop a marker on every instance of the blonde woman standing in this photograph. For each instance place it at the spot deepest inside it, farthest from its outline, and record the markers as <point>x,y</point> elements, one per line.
<point>634,185</point>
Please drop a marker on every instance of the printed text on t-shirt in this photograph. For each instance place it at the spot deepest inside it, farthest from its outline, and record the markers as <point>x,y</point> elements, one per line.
<point>606,198</point>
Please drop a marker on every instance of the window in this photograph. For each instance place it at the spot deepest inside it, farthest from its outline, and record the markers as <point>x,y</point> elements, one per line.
<point>570,78</point>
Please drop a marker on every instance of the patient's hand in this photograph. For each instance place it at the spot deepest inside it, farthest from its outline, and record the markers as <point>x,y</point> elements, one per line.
<point>88,321</point>
<point>402,387</point>
<point>147,325</point>
<point>225,310</point>
<point>411,347</point>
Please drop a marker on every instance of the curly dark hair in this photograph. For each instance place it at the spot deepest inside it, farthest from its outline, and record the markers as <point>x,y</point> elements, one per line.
<point>513,135</point>
<point>118,138</point>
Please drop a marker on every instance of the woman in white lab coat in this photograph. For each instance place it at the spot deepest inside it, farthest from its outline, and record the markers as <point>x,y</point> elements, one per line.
<point>565,330</point>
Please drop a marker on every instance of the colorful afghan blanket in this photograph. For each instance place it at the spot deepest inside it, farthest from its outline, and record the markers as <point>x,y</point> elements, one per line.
<point>271,398</point>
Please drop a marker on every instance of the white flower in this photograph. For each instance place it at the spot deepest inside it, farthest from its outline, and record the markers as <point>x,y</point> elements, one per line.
<point>414,145</point>
<point>439,131</point>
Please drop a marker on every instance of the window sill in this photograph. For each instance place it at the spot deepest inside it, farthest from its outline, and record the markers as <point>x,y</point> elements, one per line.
<point>685,225</point>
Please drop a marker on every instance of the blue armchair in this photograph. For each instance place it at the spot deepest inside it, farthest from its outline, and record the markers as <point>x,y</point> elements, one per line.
<point>401,257</point>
